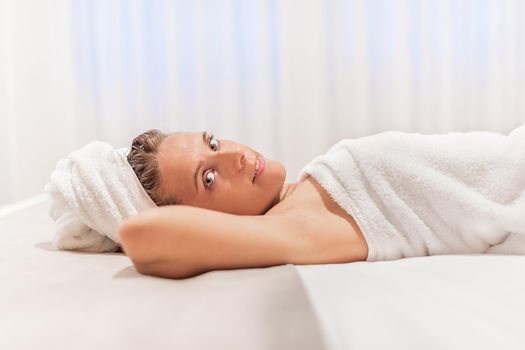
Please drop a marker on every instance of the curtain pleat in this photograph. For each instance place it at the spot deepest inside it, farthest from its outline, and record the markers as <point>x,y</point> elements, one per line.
<point>289,78</point>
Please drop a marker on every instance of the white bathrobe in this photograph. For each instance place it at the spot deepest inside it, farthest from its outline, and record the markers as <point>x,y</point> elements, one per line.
<point>414,195</point>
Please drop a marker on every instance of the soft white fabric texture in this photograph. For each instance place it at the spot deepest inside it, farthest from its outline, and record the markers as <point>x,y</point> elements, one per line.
<point>414,195</point>
<point>93,190</point>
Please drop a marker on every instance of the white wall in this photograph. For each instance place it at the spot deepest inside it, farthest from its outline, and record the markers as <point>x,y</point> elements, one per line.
<point>289,78</point>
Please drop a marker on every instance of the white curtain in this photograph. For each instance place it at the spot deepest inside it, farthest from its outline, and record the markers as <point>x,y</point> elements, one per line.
<point>289,78</point>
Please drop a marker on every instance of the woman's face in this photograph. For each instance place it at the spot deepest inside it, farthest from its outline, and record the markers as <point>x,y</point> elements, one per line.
<point>203,171</point>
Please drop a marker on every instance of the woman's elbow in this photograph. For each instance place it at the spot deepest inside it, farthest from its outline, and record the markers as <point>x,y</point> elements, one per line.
<point>141,245</point>
<point>132,239</point>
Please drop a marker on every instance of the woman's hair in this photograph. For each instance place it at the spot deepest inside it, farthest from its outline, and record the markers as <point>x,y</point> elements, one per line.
<point>143,160</point>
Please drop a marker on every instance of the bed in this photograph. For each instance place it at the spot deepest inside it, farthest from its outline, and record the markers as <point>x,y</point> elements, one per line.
<point>71,300</point>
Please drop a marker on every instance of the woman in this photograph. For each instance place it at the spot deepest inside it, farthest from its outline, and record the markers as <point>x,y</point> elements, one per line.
<point>233,210</point>
<point>225,206</point>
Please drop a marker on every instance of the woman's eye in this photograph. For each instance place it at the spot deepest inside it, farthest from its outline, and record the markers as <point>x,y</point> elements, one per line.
<point>209,179</point>
<point>214,144</point>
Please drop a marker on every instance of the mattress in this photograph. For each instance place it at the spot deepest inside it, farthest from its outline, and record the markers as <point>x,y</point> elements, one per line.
<point>439,302</point>
<point>52,299</point>
<point>64,300</point>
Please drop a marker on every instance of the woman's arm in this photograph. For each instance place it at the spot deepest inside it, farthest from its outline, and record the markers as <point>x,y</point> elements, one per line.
<point>182,241</point>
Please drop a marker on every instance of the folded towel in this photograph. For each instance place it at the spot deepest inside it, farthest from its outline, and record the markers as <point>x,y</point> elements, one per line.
<point>414,195</point>
<point>93,190</point>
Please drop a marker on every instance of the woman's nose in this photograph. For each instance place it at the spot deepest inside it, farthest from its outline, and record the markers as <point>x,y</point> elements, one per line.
<point>233,157</point>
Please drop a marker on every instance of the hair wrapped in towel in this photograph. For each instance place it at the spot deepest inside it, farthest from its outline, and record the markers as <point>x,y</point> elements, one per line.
<point>93,190</point>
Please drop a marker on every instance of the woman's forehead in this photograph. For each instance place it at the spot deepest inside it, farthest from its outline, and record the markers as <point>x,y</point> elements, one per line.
<point>177,158</point>
<point>180,149</point>
<point>181,141</point>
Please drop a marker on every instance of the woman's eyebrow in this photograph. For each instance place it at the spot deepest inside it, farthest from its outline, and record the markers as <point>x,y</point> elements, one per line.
<point>197,175</point>
<point>199,165</point>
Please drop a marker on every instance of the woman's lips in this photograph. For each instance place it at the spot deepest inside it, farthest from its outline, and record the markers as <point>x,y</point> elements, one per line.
<point>262,165</point>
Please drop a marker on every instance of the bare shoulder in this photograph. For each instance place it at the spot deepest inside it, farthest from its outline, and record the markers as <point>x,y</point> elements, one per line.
<point>318,219</point>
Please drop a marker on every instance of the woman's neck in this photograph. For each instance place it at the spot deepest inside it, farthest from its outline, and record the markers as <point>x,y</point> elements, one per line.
<point>287,190</point>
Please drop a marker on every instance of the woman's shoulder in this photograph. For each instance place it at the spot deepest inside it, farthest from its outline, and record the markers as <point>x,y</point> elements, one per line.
<point>313,215</point>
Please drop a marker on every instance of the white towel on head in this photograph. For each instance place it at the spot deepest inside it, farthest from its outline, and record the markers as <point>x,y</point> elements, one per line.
<point>415,195</point>
<point>93,190</point>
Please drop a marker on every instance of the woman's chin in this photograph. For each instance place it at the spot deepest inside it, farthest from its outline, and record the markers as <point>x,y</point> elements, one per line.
<point>273,175</point>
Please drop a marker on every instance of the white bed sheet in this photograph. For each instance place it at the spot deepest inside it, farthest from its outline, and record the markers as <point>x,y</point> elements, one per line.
<point>63,300</point>
<point>52,299</point>
<point>439,302</point>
